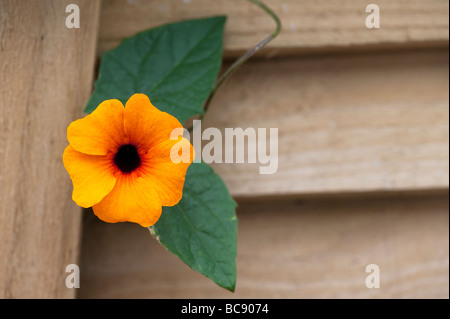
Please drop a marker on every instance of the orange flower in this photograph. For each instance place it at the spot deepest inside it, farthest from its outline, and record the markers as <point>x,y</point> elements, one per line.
<point>119,160</point>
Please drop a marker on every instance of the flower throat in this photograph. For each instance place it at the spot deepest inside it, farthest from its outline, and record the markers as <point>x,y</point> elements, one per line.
<point>127,158</point>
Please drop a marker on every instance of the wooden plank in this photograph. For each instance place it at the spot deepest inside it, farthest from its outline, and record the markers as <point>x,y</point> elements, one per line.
<point>46,73</point>
<point>287,249</point>
<point>308,25</point>
<point>346,124</point>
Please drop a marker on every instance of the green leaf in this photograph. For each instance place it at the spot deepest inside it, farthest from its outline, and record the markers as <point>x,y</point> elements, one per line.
<point>176,65</point>
<point>202,229</point>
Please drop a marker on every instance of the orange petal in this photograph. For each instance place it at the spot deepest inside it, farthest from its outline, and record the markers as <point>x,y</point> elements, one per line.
<point>133,199</point>
<point>100,132</point>
<point>92,176</point>
<point>145,125</point>
<point>167,176</point>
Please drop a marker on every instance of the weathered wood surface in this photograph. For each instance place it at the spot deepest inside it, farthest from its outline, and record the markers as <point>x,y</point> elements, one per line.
<point>308,25</point>
<point>287,249</point>
<point>46,73</point>
<point>346,124</point>
<point>354,124</point>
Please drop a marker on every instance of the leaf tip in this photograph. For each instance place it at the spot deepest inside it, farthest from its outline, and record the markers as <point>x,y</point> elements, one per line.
<point>231,287</point>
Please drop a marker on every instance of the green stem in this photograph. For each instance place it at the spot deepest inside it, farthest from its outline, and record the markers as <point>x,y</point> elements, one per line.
<point>245,57</point>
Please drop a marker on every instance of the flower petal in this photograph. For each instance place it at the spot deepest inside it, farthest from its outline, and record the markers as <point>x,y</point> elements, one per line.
<point>145,125</point>
<point>165,165</point>
<point>133,199</point>
<point>100,132</point>
<point>92,176</point>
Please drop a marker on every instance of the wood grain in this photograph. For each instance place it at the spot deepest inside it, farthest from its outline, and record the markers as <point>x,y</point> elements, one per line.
<point>46,73</point>
<point>309,26</point>
<point>346,123</point>
<point>287,249</point>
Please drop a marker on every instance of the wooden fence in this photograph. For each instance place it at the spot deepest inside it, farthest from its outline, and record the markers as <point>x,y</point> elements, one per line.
<point>363,176</point>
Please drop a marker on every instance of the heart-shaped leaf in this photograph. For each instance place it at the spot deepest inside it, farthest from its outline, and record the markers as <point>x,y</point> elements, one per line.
<point>176,65</point>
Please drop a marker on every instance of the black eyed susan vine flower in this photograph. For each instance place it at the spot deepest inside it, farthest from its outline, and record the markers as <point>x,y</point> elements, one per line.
<point>119,160</point>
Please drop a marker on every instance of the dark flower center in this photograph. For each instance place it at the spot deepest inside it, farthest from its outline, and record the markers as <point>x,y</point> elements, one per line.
<point>127,158</point>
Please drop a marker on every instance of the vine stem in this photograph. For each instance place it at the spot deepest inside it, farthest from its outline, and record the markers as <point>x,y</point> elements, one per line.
<point>244,57</point>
